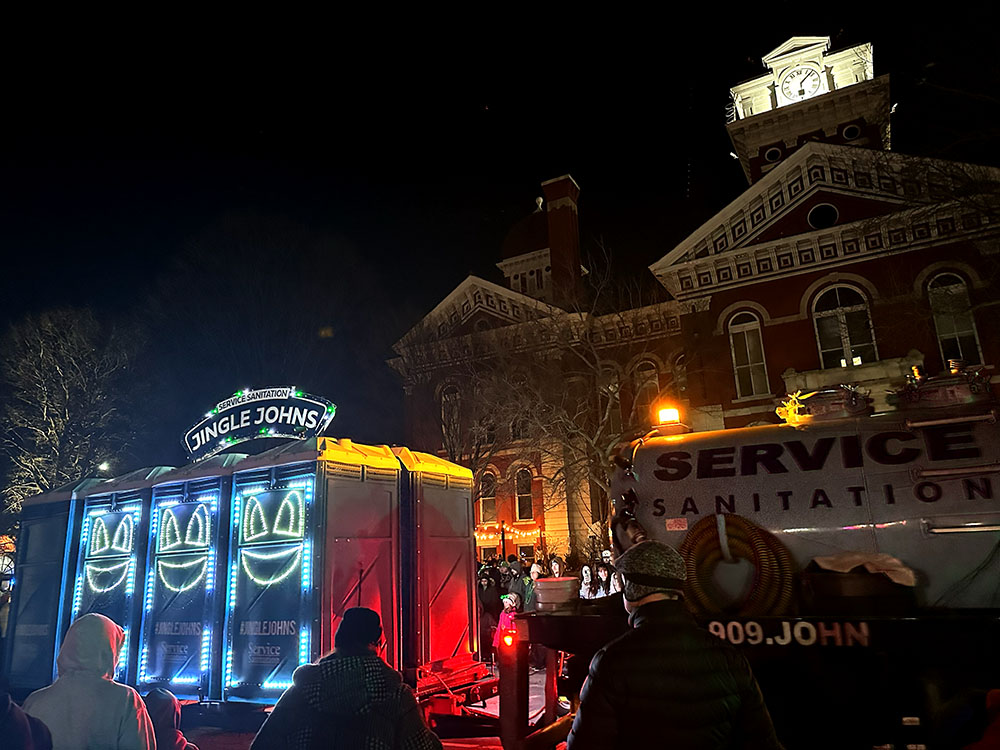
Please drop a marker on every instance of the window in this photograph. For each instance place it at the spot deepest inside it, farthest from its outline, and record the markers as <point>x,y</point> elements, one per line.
<point>646,381</point>
<point>488,497</point>
<point>610,407</point>
<point>748,355</point>
<point>843,328</point>
<point>526,552</point>
<point>523,489</point>
<point>451,422</point>
<point>956,328</point>
<point>520,428</point>
<point>680,374</point>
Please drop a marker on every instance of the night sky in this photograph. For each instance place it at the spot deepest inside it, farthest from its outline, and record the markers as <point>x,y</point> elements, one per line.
<point>392,166</point>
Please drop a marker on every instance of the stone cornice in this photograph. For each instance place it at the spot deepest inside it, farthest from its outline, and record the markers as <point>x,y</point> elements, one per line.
<point>912,229</point>
<point>887,177</point>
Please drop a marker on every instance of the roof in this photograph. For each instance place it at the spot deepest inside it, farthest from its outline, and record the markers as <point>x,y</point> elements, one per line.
<point>343,451</point>
<point>526,236</point>
<point>416,461</point>
<point>216,466</point>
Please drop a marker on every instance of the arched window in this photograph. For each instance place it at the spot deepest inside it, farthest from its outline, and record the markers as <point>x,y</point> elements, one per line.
<point>956,328</point>
<point>646,384</point>
<point>608,389</point>
<point>522,486</point>
<point>843,328</point>
<point>748,355</point>
<point>488,497</point>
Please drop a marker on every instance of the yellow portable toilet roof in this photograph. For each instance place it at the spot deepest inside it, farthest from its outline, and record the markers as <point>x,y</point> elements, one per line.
<point>426,462</point>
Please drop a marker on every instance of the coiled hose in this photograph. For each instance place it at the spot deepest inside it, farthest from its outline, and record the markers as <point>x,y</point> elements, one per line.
<point>773,579</point>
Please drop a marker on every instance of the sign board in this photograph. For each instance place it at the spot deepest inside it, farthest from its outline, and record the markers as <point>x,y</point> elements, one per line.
<point>279,412</point>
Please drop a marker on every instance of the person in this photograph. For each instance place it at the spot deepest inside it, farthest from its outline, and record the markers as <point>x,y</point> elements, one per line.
<point>350,697</point>
<point>588,587</point>
<point>605,581</point>
<point>490,608</point>
<point>510,604</point>
<point>667,682</point>
<point>85,707</point>
<point>165,713</point>
<point>20,731</point>
<point>524,587</point>
<point>557,566</point>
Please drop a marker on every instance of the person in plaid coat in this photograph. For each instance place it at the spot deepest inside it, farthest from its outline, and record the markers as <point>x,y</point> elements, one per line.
<point>350,699</point>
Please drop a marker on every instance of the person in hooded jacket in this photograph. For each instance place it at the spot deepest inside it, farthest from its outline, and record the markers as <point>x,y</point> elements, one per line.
<point>165,713</point>
<point>85,707</point>
<point>349,699</point>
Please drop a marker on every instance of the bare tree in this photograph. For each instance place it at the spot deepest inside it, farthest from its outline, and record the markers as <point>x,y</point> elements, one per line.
<point>66,381</point>
<point>562,386</point>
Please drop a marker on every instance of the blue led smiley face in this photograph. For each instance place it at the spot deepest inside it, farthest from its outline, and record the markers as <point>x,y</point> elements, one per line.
<point>184,571</point>
<point>272,566</point>
<point>105,575</point>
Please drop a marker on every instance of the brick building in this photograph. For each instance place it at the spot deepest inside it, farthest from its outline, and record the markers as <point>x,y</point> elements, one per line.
<point>842,262</point>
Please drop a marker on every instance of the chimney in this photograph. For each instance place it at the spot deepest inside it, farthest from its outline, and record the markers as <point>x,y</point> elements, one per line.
<point>561,195</point>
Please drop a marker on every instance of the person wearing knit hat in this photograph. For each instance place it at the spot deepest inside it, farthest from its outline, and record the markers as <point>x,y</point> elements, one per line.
<point>351,698</point>
<point>650,568</point>
<point>667,682</point>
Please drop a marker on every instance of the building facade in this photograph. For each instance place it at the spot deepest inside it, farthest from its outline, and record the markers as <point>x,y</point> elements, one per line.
<point>842,263</point>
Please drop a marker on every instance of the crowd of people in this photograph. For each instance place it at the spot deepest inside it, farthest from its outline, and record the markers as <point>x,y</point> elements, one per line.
<point>506,587</point>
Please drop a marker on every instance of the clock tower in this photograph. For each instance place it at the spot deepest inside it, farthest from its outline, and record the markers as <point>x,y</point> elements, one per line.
<point>808,94</point>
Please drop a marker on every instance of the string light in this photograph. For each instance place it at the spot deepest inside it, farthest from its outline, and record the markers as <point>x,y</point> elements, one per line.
<point>161,564</point>
<point>255,525</point>
<point>92,569</point>
<point>200,539</point>
<point>510,532</point>
<point>294,554</point>
<point>122,540</point>
<point>291,528</point>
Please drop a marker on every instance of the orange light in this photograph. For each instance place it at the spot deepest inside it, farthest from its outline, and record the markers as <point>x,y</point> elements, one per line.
<point>669,415</point>
<point>508,640</point>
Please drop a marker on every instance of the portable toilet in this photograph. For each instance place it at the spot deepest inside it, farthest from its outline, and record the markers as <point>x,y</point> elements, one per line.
<point>184,589</point>
<point>45,551</point>
<point>111,558</point>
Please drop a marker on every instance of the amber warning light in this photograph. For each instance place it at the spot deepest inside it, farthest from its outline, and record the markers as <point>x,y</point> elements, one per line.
<point>669,415</point>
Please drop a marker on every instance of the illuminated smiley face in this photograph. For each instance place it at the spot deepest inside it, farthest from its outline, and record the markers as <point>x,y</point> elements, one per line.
<point>266,566</point>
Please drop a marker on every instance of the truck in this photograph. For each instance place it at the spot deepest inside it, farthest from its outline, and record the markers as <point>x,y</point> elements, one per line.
<point>854,557</point>
<point>228,573</point>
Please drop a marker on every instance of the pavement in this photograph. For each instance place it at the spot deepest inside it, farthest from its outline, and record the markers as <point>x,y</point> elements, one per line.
<point>214,738</point>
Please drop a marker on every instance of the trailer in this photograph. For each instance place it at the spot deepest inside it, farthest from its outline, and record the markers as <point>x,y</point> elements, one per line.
<point>228,573</point>
<point>852,556</point>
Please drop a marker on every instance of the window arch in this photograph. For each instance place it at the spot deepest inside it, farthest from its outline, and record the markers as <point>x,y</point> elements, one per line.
<point>488,497</point>
<point>522,488</point>
<point>948,295</point>
<point>844,331</point>
<point>747,349</point>
<point>646,386</point>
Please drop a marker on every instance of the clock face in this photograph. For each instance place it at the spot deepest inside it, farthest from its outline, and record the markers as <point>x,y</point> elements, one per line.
<point>800,83</point>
